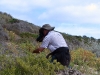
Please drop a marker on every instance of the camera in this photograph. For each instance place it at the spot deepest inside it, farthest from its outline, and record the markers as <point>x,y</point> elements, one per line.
<point>41,35</point>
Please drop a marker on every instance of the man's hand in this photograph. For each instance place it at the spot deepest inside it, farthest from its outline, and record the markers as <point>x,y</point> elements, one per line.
<point>38,50</point>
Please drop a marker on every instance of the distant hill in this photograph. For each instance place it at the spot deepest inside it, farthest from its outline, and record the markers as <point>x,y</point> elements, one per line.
<point>12,29</point>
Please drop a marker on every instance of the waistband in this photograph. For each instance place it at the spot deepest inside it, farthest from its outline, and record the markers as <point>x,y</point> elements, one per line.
<point>60,50</point>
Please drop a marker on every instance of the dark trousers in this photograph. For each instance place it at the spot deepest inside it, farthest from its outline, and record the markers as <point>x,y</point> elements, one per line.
<point>62,55</point>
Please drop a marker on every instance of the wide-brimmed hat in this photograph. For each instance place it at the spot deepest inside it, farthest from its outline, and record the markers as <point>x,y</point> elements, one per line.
<point>47,27</point>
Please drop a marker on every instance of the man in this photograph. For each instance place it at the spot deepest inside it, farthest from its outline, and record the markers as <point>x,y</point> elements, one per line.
<point>55,42</point>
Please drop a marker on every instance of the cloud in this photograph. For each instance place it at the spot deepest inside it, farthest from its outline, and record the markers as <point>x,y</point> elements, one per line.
<point>74,13</point>
<point>58,10</point>
<point>25,5</point>
<point>19,5</point>
<point>87,30</point>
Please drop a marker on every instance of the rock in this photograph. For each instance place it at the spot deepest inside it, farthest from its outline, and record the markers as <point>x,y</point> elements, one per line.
<point>69,72</point>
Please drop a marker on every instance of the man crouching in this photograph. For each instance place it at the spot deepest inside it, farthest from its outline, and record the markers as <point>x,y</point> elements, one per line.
<point>55,42</point>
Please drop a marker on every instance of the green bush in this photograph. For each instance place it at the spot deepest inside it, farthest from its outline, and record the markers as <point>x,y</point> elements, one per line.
<point>30,64</point>
<point>81,56</point>
<point>13,20</point>
<point>28,35</point>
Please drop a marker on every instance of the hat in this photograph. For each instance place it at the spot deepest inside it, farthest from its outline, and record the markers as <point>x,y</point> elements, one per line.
<point>47,27</point>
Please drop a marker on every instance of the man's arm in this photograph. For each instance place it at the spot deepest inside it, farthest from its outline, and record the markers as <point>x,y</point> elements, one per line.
<point>38,50</point>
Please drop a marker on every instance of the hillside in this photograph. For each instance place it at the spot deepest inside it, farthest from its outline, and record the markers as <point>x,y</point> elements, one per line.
<point>18,40</point>
<point>20,28</point>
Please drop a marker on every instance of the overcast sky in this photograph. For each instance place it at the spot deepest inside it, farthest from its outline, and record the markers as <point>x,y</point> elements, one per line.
<point>75,17</point>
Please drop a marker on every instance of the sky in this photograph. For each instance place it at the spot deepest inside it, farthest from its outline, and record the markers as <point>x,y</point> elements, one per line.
<point>74,17</point>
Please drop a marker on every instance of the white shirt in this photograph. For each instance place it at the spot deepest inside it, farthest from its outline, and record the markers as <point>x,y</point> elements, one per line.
<point>53,40</point>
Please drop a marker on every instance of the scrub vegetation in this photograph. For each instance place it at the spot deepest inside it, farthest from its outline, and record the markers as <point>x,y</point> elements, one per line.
<point>24,62</point>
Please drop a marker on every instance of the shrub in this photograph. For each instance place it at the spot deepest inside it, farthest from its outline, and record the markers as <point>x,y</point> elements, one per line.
<point>81,56</point>
<point>31,64</point>
<point>28,35</point>
<point>13,20</point>
<point>97,64</point>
